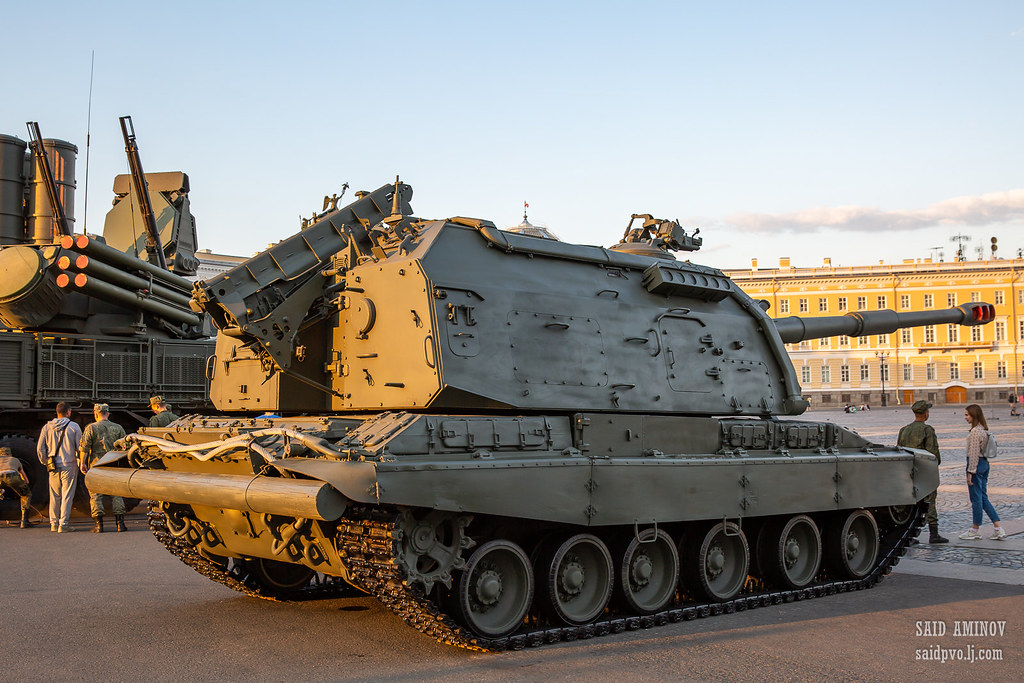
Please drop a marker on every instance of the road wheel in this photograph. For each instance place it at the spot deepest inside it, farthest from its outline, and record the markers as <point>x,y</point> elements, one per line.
<point>576,578</point>
<point>648,570</point>
<point>790,551</point>
<point>495,590</point>
<point>716,568</point>
<point>851,544</point>
<point>279,577</point>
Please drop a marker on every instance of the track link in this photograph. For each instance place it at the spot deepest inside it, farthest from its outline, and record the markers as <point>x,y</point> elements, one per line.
<point>368,539</point>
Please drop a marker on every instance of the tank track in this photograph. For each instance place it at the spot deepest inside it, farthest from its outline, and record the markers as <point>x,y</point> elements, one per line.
<point>370,544</point>
<point>235,575</point>
<point>368,539</point>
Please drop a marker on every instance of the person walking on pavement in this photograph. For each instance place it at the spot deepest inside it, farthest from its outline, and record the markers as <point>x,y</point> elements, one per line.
<point>163,416</point>
<point>97,440</point>
<point>57,447</point>
<point>12,476</point>
<point>920,434</point>
<point>977,476</point>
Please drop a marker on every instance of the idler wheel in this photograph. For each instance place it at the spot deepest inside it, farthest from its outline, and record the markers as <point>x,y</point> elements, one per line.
<point>648,570</point>
<point>900,515</point>
<point>716,568</point>
<point>789,551</point>
<point>577,577</point>
<point>495,590</point>
<point>851,544</point>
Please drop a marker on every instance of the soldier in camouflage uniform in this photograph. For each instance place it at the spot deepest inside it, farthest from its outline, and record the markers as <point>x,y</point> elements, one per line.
<point>920,434</point>
<point>12,476</point>
<point>163,415</point>
<point>97,440</point>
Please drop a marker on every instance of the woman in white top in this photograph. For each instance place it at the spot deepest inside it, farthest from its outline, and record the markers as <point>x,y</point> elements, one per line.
<point>977,475</point>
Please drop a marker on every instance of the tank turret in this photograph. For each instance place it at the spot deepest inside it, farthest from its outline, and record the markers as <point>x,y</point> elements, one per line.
<point>511,440</point>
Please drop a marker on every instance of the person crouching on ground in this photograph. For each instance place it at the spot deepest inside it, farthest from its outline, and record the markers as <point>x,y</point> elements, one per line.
<point>12,476</point>
<point>977,475</point>
<point>97,440</point>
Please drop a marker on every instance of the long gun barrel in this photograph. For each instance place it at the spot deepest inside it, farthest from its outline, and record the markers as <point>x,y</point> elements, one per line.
<point>796,329</point>
<point>153,245</point>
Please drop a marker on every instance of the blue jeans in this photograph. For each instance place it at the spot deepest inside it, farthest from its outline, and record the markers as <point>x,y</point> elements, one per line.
<point>978,491</point>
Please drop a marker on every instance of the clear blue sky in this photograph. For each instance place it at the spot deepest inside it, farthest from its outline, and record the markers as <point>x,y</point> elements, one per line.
<point>894,125</point>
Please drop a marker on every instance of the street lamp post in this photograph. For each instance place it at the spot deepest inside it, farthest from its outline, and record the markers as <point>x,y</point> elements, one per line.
<point>882,356</point>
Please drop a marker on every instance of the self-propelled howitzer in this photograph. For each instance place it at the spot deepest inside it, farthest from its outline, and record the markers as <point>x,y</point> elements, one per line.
<point>511,440</point>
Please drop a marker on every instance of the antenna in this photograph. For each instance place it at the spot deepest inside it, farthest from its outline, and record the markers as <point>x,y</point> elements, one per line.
<point>960,240</point>
<point>937,254</point>
<point>88,134</point>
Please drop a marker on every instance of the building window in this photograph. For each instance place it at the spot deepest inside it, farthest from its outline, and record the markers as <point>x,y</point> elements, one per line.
<point>826,374</point>
<point>842,303</point>
<point>905,335</point>
<point>885,372</point>
<point>865,372</point>
<point>845,341</point>
<point>863,341</point>
<point>844,373</point>
<point>953,333</point>
<point>1000,331</point>
<point>951,298</point>
<point>882,301</point>
<point>954,371</point>
<point>976,333</point>
<point>1020,296</point>
<point>803,305</point>
<point>1020,330</point>
<point>822,305</point>
<point>904,301</point>
<point>862,303</point>
<point>783,305</point>
<point>805,374</point>
<point>929,334</point>
<point>975,296</point>
<point>1001,369</point>
<point>805,344</point>
<point>930,372</point>
<point>929,301</point>
<point>999,297</point>
<point>825,343</point>
<point>883,340</point>
<point>979,370</point>
<point>908,372</point>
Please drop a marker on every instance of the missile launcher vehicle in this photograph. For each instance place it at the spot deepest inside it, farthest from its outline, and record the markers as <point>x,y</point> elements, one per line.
<point>511,440</point>
<point>87,319</point>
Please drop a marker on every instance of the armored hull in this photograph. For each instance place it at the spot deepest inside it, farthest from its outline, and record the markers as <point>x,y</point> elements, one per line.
<point>511,441</point>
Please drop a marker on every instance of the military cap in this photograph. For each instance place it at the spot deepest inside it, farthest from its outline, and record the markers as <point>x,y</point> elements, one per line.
<point>156,400</point>
<point>100,408</point>
<point>920,407</point>
<point>5,452</point>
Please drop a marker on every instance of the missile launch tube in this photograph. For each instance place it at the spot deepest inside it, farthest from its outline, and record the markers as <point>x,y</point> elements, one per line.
<point>101,252</point>
<point>84,264</point>
<point>105,290</point>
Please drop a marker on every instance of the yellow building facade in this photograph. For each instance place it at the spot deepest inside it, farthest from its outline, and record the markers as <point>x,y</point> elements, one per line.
<point>938,363</point>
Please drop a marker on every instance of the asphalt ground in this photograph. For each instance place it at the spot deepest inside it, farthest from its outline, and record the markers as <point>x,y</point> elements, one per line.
<point>83,606</point>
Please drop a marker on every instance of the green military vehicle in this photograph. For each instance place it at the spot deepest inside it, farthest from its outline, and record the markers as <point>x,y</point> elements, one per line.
<point>87,319</point>
<point>510,440</point>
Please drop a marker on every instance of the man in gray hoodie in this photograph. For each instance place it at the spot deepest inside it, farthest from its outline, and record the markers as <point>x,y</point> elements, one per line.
<point>57,449</point>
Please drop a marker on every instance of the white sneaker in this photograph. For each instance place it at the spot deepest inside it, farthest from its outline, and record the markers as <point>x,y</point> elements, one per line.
<point>999,534</point>
<point>970,535</point>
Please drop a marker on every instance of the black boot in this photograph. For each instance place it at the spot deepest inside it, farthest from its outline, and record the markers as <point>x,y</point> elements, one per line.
<point>98,529</point>
<point>25,524</point>
<point>119,523</point>
<point>933,535</point>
